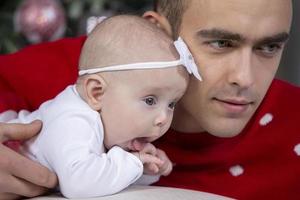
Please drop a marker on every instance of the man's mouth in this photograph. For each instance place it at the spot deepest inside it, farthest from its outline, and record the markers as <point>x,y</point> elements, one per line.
<point>233,106</point>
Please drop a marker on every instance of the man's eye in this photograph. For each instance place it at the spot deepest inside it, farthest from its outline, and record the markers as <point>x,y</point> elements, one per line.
<point>150,101</point>
<point>172,105</point>
<point>221,44</point>
<point>270,49</point>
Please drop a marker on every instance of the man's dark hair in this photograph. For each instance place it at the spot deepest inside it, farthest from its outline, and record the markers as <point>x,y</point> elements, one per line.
<point>173,10</point>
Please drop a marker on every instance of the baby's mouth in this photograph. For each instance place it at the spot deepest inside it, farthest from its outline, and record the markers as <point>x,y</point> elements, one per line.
<point>136,144</point>
<point>130,146</point>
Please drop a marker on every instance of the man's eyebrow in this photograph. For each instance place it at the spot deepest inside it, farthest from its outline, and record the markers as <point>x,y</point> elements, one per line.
<point>215,33</point>
<point>277,38</point>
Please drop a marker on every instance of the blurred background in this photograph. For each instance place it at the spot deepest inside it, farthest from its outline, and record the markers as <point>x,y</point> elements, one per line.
<point>26,22</point>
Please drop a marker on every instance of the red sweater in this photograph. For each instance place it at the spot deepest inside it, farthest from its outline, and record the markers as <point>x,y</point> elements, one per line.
<point>263,162</point>
<point>260,163</point>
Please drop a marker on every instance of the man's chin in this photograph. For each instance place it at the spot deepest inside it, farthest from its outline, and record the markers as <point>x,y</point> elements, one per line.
<point>228,130</point>
<point>227,134</point>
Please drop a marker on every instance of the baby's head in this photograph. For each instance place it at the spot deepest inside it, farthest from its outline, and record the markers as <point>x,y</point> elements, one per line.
<point>135,104</point>
<point>126,39</point>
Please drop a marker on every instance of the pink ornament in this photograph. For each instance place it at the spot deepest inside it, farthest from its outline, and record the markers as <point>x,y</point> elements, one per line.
<point>40,20</point>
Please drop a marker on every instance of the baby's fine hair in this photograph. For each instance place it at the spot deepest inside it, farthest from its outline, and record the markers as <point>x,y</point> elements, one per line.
<point>126,39</point>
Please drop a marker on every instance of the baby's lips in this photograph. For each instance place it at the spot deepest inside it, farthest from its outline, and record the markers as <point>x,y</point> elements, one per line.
<point>130,146</point>
<point>137,145</point>
<point>134,145</point>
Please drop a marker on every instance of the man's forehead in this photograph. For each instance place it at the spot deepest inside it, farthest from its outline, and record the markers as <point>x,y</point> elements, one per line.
<point>253,7</point>
<point>240,18</point>
<point>238,3</point>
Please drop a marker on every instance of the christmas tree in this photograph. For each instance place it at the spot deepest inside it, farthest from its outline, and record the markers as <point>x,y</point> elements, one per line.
<point>25,22</point>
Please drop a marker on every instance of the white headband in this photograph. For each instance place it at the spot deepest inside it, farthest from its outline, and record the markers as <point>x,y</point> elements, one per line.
<point>186,59</point>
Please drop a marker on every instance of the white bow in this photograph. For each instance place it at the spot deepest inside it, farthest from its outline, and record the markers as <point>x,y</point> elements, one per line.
<point>92,23</point>
<point>187,58</point>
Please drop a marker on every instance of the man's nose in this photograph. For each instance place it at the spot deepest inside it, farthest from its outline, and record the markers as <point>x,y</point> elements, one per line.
<point>161,118</point>
<point>241,73</point>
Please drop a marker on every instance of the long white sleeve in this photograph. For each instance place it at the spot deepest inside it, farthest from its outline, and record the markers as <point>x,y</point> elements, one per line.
<point>71,145</point>
<point>74,153</point>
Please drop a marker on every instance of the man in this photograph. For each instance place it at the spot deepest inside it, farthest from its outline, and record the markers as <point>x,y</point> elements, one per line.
<point>233,135</point>
<point>237,45</point>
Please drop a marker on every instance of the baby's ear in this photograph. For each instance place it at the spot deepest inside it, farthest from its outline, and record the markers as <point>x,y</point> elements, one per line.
<point>94,89</point>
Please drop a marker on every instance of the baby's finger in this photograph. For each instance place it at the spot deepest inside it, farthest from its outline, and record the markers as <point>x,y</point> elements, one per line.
<point>161,154</point>
<point>167,169</point>
<point>167,166</point>
<point>147,158</point>
<point>151,169</point>
<point>149,149</point>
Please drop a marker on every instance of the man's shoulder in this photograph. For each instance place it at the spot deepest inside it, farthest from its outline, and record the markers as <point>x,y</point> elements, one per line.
<point>282,92</point>
<point>281,106</point>
<point>280,86</point>
<point>281,99</point>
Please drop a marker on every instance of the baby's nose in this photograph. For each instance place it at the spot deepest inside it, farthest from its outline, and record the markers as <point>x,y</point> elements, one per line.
<point>161,119</point>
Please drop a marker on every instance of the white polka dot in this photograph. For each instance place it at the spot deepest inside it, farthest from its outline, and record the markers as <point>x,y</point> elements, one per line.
<point>236,170</point>
<point>8,115</point>
<point>297,149</point>
<point>267,118</point>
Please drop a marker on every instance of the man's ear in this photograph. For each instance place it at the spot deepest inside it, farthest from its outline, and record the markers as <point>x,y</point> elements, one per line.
<point>159,20</point>
<point>95,87</point>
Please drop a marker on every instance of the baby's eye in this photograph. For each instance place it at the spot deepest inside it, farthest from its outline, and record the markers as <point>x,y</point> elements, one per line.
<point>172,105</point>
<point>150,101</point>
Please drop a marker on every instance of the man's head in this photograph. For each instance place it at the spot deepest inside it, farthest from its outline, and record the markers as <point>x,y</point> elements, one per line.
<point>237,45</point>
<point>135,105</point>
<point>173,11</point>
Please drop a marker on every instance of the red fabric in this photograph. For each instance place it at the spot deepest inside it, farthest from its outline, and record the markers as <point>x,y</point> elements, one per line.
<point>266,153</point>
<point>271,167</point>
<point>38,73</point>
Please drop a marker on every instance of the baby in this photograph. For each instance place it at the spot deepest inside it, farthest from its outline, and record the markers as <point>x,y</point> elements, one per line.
<point>97,134</point>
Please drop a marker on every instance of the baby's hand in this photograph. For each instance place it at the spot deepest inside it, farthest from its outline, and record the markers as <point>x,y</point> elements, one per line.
<point>155,161</point>
<point>167,166</point>
<point>147,156</point>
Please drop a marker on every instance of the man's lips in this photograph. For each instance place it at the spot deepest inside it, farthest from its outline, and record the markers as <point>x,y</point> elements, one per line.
<point>236,106</point>
<point>235,101</point>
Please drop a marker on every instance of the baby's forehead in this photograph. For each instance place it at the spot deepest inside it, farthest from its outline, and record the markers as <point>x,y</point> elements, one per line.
<point>162,88</point>
<point>149,53</point>
<point>158,79</point>
<point>154,75</point>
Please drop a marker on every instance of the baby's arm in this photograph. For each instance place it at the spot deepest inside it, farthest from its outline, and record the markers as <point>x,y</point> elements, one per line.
<point>74,153</point>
